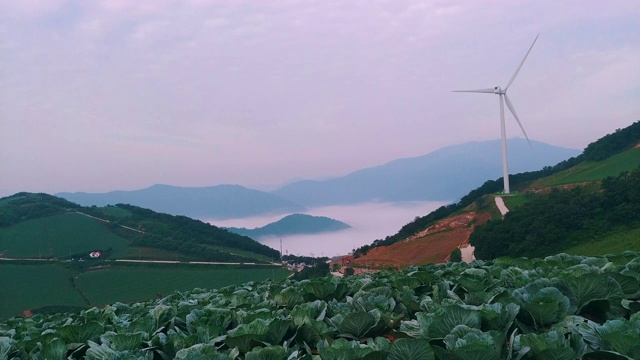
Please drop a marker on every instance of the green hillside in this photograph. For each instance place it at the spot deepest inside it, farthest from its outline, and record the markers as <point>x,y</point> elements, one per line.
<point>59,236</point>
<point>44,226</point>
<point>590,208</point>
<point>589,171</point>
<point>45,265</point>
<point>604,158</point>
<point>552,222</point>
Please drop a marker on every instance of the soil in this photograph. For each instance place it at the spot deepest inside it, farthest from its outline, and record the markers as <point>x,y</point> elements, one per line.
<point>433,245</point>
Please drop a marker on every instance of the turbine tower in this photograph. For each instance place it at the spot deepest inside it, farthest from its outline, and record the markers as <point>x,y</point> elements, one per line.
<point>502,93</point>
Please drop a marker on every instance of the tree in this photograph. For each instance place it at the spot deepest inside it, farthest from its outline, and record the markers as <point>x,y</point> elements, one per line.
<point>456,255</point>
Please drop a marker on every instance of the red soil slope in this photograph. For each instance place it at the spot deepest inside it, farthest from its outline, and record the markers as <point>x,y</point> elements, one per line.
<point>433,245</point>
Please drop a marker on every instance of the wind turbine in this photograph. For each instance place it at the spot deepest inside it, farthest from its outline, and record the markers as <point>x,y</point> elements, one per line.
<point>504,98</point>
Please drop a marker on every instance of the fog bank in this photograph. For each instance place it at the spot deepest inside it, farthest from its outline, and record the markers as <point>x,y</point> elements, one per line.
<point>369,221</point>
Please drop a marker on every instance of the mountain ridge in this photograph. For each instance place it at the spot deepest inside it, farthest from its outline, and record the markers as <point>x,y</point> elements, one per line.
<point>219,201</point>
<point>443,174</point>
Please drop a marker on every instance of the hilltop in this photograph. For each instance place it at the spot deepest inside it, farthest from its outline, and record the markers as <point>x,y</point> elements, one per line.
<point>586,205</point>
<point>292,225</point>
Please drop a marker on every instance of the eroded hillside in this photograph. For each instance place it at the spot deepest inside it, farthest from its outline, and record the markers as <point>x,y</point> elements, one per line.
<point>432,245</point>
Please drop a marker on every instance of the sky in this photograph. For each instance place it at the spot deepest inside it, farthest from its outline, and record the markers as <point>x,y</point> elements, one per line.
<point>117,94</point>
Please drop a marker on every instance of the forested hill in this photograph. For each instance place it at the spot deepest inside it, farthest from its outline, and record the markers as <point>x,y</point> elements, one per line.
<point>294,224</point>
<point>555,221</point>
<point>65,225</point>
<point>607,156</point>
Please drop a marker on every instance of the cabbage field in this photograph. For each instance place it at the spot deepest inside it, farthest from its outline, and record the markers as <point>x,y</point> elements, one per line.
<point>560,307</point>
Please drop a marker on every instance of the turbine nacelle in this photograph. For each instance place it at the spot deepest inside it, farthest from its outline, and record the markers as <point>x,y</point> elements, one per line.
<point>498,90</point>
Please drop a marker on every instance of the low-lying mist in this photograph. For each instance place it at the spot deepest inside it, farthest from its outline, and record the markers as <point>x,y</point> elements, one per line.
<point>369,221</point>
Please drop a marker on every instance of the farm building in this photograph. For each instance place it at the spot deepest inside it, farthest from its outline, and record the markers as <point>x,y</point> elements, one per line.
<point>95,254</point>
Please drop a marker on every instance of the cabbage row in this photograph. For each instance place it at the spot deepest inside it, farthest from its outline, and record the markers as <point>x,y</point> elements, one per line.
<point>560,307</point>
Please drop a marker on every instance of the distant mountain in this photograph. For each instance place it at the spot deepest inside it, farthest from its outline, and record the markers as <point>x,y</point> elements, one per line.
<point>220,202</point>
<point>445,174</point>
<point>294,224</point>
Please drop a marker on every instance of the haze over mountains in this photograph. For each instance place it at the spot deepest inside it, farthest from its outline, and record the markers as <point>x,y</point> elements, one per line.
<point>220,202</point>
<point>442,175</point>
<point>445,174</point>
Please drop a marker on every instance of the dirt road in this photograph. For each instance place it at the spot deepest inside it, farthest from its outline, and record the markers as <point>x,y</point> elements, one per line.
<point>501,206</point>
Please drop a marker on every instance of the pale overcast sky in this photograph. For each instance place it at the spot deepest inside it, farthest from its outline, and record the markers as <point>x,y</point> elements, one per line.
<point>104,95</point>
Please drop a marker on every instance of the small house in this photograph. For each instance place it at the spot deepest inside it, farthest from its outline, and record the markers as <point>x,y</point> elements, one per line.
<point>95,254</point>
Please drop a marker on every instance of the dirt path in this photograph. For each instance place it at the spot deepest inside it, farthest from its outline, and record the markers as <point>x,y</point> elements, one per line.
<point>501,206</point>
<point>106,221</point>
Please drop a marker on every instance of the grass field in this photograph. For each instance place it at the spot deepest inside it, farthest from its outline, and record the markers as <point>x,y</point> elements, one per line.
<point>614,243</point>
<point>593,171</point>
<point>59,236</point>
<point>116,211</point>
<point>147,253</point>
<point>31,286</point>
<point>124,283</point>
<point>25,287</point>
<point>243,253</point>
<point>27,239</point>
<point>514,201</point>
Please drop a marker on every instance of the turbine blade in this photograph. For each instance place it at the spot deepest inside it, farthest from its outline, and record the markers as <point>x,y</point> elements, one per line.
<point>520,67</point>
<point>488,90</point>
<point>513,111</point>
